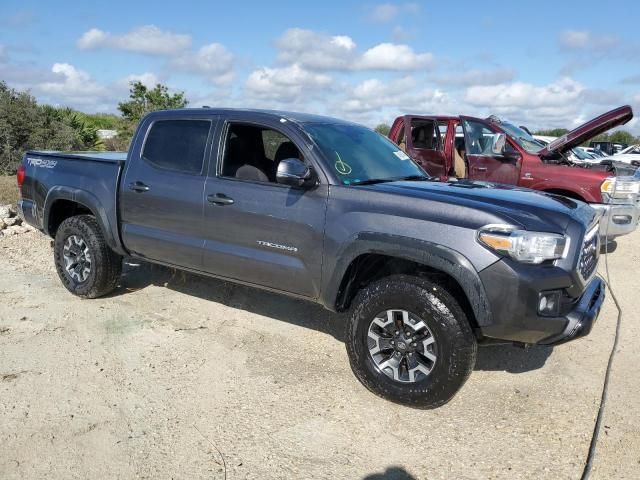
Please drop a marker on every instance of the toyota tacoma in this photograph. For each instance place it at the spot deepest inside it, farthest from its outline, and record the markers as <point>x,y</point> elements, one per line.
<point>331,212</point>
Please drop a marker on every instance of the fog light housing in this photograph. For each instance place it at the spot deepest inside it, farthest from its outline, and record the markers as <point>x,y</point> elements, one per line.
<point>549,303</point>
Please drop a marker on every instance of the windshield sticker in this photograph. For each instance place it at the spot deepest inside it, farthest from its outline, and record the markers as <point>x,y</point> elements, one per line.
<point>401,155</point>
<point>341,167</point>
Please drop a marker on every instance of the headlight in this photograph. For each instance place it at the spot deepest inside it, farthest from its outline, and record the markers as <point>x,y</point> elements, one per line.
<point>619,188</point>
<point>524,246</point>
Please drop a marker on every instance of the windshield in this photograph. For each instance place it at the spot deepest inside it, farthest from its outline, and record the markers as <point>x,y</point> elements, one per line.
<point>582,155</point>
<point>359,155</point>
<point>522,138</point>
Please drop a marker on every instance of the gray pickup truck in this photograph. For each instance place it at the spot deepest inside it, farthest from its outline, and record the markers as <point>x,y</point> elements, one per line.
<point>331,212</point>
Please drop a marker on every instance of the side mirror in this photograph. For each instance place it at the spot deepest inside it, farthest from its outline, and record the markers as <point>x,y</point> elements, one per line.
<point>498,144</point>
<point>295,173</point>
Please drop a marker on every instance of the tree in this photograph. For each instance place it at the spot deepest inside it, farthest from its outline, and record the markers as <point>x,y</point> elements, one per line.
<point>25,125</point>
<point>622,136</point>
<point>142,101</point>
<point>553,132</point>
<point>383,129</point>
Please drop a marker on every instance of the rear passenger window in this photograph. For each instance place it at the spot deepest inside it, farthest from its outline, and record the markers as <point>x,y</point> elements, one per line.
<point>177,145</point>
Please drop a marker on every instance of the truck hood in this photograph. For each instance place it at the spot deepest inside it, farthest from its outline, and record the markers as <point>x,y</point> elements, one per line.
<point>528,209</point>
<point>586,131</point>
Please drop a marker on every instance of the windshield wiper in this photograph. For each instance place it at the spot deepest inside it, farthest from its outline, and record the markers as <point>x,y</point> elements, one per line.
<point>408,178</point>
<point>414,178</point>
<point>372,181</point>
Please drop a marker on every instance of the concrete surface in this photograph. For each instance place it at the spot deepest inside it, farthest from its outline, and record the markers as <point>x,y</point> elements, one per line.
<point>178,376</point>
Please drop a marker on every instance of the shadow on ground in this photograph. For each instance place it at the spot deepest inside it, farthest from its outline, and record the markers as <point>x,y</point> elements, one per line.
<point>512,359</point>
<point>391,473</point>
<point>254,300</point>
<point>298,312</point>
<point>610,247</point>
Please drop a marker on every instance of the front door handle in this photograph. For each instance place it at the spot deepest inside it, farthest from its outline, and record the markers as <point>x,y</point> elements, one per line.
<point>219,199</point>
<point>480,169</point>
<point>138,187</point>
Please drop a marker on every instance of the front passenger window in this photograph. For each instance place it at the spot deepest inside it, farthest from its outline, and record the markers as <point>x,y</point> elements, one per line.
<point>478,138</point>
<point>253,153</point>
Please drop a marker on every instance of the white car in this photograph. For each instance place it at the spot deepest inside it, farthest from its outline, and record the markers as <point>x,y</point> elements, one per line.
<point>628,155</point>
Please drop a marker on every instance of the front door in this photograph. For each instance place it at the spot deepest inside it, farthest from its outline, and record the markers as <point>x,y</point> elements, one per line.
<point>483,163</point>
<point>259,231</point>
<point>161,193</point>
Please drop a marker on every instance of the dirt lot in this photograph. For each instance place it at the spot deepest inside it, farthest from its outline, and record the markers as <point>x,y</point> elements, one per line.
<point>177,376</point>
<point>8,189</point>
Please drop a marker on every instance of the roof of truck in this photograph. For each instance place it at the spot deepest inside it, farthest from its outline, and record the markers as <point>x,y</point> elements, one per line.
<point>297,117</point>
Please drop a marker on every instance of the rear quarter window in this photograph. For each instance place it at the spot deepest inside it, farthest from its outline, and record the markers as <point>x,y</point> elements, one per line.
<point>177,145</point>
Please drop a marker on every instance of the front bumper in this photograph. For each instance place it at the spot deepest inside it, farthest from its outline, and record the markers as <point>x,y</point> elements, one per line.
<point>617,218</point>
<point>513,291</point>
<point>582,318</point>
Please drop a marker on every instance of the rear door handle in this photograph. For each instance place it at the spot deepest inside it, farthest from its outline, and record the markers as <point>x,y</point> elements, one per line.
<point>219,199</point>
<point>138,187</point>
<point>480,169</point>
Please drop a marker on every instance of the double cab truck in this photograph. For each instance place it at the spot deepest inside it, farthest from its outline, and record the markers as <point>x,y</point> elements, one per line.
<point>334,213</point>
<point>495,150</point>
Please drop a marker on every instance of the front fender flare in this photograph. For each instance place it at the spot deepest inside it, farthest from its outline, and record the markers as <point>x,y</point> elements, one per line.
<point>429,254</point>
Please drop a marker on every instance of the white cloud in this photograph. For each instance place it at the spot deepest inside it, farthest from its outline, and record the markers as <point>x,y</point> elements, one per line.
<point>148,79</point>
<point>67,85</point>
<point>315,51</point>
<point>525,95</point>
<point>71,83</point>
<point>390,56</point>
<point>287,84</point>
<point>562,103</point>
<point>585,40</point>
<point>400,95</point>
<point>384,12</point>
<point>147,39</point>
<point>631,80</point>
<point>213,61</point>
<point>476,77</point>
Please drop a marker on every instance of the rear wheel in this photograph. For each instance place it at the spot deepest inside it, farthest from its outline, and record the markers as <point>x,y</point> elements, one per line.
<point>85,264</point>
<point>410,342</point>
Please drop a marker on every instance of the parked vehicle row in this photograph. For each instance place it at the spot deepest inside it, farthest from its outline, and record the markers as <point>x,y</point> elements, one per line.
<point>495,150</point>
<point>334,213</point>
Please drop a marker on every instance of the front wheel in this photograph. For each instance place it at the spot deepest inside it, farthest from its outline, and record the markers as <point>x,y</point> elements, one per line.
<point>85,264</point>
<point>410,342</point>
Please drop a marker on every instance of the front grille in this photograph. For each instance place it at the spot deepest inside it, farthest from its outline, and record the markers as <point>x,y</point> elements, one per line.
<point>589,254</point>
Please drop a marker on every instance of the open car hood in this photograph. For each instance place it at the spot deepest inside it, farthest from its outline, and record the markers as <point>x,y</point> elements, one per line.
<point>587,131</point>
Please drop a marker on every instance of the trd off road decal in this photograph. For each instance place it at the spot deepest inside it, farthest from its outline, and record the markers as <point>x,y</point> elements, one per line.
<point>41,162</point>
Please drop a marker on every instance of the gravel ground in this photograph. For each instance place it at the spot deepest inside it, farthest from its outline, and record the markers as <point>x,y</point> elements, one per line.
<point>178,376</point>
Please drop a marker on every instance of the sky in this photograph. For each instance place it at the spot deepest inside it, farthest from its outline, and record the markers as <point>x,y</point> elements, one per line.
<point>541,64</point>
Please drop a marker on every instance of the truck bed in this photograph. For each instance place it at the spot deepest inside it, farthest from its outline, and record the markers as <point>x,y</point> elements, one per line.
<point>109,157</point>
<point>90,179</point>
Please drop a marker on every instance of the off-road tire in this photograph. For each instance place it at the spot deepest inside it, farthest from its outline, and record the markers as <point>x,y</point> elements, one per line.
<point>106,264</point>
<point>442,314</point>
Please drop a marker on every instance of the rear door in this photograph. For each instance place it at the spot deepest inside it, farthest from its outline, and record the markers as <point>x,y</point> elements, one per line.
<point>161,193</point>
<point>425,145</point>
<point>259,231</point>
<point>483,163</point>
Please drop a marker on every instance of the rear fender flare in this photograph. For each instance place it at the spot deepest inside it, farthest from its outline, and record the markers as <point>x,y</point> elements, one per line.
<point>89,201</point>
